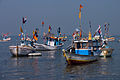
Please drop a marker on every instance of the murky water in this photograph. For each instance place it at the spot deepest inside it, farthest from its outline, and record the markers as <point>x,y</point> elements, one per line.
<point>52,66</point>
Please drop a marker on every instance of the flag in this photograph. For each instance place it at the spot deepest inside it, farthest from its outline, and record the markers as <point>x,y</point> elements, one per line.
<point>34,37</point>
<point>79,15</point>
<point>49,28</point>
<point>99,30</point>
<point>80,33</point>
<point>21,29</point>
<point>24,19</point>
<point>42,23</point>
<point>80,11</point>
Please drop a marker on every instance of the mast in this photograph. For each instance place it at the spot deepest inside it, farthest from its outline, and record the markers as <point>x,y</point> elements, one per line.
<point>80,20</point>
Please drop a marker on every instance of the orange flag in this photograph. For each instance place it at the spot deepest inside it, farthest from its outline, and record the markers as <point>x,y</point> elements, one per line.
<point>81,7</point>
<point>21,29</point>
<point>80,33</point>
<point>34,37</point>
<point>80,11</point>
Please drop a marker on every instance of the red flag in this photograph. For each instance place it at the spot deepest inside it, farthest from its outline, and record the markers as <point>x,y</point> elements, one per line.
<point>42,23</point>
<point>81,7</point>
<point>99,30</point>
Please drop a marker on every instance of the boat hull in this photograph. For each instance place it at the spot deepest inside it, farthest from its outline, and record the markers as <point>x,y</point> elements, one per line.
<point>72,58</point>
<point>20,50</point>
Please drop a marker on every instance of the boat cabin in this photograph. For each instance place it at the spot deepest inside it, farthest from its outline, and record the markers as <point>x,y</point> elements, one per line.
<point>53,41</point>
<point>83,47</point>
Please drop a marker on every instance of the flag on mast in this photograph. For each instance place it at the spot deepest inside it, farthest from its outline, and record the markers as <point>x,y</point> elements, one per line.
<point>49,29</point>
<point>80,11</point>
<point>42,23</point>
<point>34,37</point>
<point>24,19</point>
<point>21,29</point>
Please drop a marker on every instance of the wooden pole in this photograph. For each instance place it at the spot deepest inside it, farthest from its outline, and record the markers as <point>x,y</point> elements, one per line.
<point>17,50</point>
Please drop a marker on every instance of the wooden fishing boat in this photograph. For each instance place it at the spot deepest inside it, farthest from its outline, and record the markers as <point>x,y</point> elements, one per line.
<point>47,47</point>
<point>21,50</point>
<point>52,43</point>
<point>106,50</point>
<point>81,52</point>
<point>72,58</point>
<point>44,47</point>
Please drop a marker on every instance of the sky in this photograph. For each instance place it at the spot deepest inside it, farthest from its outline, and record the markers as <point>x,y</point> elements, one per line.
<point>59,13</point>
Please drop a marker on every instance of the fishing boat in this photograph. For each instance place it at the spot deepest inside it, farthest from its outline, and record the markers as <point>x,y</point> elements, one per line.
<point>52,43</point>
<point>5,37</point>
<point>106,50</point>
<point>81,51</point>
<point>26,47</point>
<point>80,54</point>
<point>21,50</point>
<point>111,38</point>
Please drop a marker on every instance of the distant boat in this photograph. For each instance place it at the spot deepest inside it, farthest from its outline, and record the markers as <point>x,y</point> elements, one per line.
<point>5,38</point>
<point>106,50</point>
<point>111,38</point>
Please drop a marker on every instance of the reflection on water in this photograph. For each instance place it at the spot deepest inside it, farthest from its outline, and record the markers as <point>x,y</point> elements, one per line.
<point>101,69</point>
<point>50,54</point>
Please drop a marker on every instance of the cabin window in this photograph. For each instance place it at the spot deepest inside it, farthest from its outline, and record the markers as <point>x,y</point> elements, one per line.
<point>84,45</point>
<point>78,45</point>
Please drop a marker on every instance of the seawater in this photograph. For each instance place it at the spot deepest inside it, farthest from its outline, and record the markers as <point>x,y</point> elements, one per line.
<point>52,65</point>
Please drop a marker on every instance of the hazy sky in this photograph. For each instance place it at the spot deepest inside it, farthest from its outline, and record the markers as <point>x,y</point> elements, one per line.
<point>59,13</point>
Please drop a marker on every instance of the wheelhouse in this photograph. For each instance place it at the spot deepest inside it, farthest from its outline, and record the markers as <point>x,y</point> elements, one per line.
<point>83,47</point>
